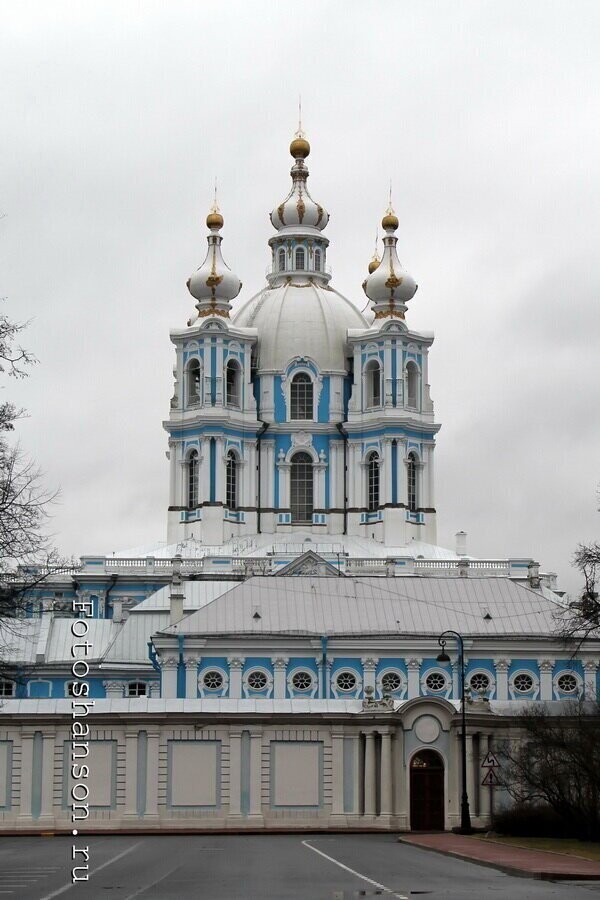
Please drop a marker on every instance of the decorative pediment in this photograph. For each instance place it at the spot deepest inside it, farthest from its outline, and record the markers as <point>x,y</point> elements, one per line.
<point>309,563</point>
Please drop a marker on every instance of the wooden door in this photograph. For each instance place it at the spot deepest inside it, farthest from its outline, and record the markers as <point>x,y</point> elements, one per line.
<point>427,791</point>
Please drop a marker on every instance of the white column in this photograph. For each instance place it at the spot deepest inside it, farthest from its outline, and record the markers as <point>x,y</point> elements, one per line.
<point>131,741</point>
<point>590,667</point>
<point>387,373</point>
<point>369,667</point>
<point>414,666</point>
<point>386,482</point>
<point>248,493</point>
<point>279,668</point>
<point>203,471</point>
<point>114,689</point>
<point>267,483</point>
<point>335,499</point>
<point>235,772</point>
<point>220,469</point>
<point>236,664</point>
<point>152,774</point>
<point>484,791</point>
<point>546,669</point>
<point>47,775</point>
<point>470,774</point>
<point>370,774</point>
<point>169,677</point>
<point>337,773</point>
<point>502,667</point>
<point>387,798</point>
<point>191,676</point>
<point>431,478</point>
<point>173,500</point>
<point>255,774</point>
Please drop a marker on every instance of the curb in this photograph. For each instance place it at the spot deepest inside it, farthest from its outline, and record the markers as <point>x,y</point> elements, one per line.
<point>537,874</point>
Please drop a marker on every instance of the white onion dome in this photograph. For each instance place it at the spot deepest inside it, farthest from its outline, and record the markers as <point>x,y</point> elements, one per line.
<point>294,318</point>
<point>214,285</point>
<point>389,286</point>
<point>299,208</point>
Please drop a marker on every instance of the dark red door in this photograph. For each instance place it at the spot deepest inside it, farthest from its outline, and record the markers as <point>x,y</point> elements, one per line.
<point>427,791</point>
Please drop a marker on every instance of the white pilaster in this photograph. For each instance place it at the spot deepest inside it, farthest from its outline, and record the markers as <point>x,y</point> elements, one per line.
<point>279,669</point>
<point>387,795</point>
<point>590,668</point>
<point>546,669</point>
<point>169,677</point>
<point>502,667</point>
<point>337,773</point>
<point>153,738</point>
<point>236,664</point>
<point>413,666</point>
<point>191,676</point>
<point>370,774</point>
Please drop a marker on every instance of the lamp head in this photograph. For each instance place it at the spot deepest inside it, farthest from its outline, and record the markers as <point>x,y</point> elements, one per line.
<point>443,657</point>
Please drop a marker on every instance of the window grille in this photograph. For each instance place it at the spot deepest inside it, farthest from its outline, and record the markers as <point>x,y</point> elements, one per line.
<point>193,382</point>
<point>257,681</point>
<point>346,681</point>
<point>232,389</point>
<point>523,683</point>
<point>436,681</point>
<point>281,260</point>
<point>373,479</point>
<point>479,682</point>
<point>567,683</point>
<point>213,681</point>
<point>317,260</point>
<point>301,488</point>
<point>300,258</point>
<point>301,397</point>
<point>302,681</point>
<point>231,481</point>
<point>193,479</point>
<point>412,482</point>
<point>391,682</point>
<point>373,378</point>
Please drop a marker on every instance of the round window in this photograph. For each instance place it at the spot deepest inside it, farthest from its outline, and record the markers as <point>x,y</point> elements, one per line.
<point>257,681</point>
<point>346,681</point>
<point>523,683</point>
<point>436,681</point>
<point>213,681</point>
<point>567,683</point>
<point>302,681</point>
<point>391,682</point>
<point>480,682</point>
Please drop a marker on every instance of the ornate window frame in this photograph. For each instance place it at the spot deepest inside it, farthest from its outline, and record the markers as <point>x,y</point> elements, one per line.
<point>232,363</point>
<point>338,693</point>
<point>265,692</point>
<point>301,364</point>
<point>418,468</point>
<point>445,692</point>
<point>302,441</point>
<point>400,694</point>
<point>39,681</point>
<point>189,454</point>
<point>368,395</point>
<point>481,670</point>
<point>188,402</point>
<point>413,364</point>
<point>533,694</point>
<point>203,691</point>
<point>372,458</point>
<point>563,695</point>
<point>293,692</point>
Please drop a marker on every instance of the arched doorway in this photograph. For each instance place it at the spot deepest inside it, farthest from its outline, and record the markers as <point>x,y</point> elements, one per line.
<point>427,791</point>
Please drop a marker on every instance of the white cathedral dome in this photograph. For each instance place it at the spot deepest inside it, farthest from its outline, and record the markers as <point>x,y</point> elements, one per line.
<point>300,320</point>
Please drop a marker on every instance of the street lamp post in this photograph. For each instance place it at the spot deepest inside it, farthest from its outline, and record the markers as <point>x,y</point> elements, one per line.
<point>465,816</point>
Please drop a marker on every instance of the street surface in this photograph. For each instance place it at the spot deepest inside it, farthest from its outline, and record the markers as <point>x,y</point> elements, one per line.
<point>257,867</point>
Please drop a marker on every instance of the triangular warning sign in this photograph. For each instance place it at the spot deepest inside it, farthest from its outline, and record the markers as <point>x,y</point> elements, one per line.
<point>491,779</point>
<point>490,761</point>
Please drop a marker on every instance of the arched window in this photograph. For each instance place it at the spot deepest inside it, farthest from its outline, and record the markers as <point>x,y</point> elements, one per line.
<point>231,487</point>
<point>411,479</point>
<point>373,383</point>
<point>193,382</point>
<point>317,260</point>
<point>301,488</point>
<point>373,482</point>
<point>412,385</point>
<point>232,386</point>
<point>299,258</point>
<point>281,260</point>
<point>192,479</point>
<point>301,397</point>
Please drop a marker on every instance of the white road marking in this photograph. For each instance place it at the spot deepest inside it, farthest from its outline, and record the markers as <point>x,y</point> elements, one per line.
<point>336,862</point>
<point>109,862</point>
<point>147,887</point>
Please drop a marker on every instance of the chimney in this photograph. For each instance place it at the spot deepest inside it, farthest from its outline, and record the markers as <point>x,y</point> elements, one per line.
<point>117,606</point>
<point>533,575</point>
<point>176,597</point>
<point>461,543</point>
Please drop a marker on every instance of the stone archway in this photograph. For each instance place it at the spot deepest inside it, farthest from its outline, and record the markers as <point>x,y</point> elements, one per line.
<point>427,791</point>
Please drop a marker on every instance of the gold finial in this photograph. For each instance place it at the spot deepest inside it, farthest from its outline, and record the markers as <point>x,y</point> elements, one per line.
<point>390,220</point>
<point>375,262</point>
<point>214,219</point>
<point>299,148</point>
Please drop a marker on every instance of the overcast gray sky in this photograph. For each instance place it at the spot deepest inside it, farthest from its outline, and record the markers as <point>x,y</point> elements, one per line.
<point>118,115</point>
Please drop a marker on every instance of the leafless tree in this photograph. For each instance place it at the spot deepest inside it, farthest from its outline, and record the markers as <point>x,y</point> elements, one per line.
<point>555,760</point>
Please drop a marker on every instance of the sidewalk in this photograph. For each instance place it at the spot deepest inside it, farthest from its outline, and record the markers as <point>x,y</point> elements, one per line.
<point>541,864</point>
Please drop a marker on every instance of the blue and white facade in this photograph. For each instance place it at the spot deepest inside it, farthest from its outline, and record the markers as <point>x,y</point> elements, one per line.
<point>274,662</point>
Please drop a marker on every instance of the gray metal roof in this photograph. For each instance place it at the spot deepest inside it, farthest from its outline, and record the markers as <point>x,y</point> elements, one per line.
<point>130,644</point>
<point>197,594</point>
<point>371,605</point>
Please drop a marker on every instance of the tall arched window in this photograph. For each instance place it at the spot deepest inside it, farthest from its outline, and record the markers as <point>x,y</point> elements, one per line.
<point>192,479</point>
<point>232,383</point>
<point>412,385</point>
<point>231,479</point>
<point>299,258</point>
<point>301,397</point>
<point>281,260</point>
<point>411,480</point>
<point>193,382</point>
<point>301,488</point>
<point>373,383</point>
<point>373,482</point>
<point>317,260</point>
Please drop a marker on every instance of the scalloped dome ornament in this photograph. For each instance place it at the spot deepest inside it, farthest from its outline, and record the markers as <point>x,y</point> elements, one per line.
<point>389,286</point>
<point>214,285</point>
<point>299,208</point>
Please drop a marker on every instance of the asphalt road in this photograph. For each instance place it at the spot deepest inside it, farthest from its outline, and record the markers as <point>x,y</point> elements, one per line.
<point>257,867</point>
